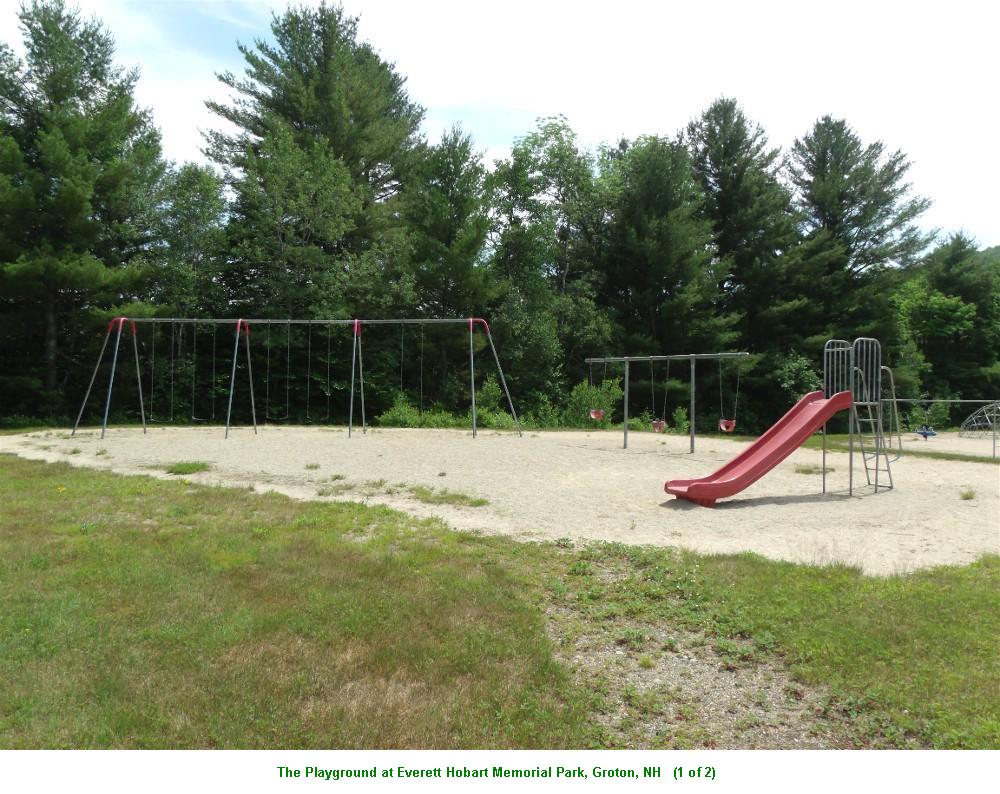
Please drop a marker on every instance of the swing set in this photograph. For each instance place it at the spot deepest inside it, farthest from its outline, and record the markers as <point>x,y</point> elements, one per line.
<point>659,425</point>
<point>178,328</point>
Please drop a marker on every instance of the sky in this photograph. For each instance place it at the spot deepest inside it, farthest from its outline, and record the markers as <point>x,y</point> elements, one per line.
<point>919,76</point>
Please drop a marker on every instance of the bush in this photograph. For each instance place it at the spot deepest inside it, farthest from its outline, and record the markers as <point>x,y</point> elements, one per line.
<point>586,397</point>
<point>489,395</point>
<point>679,422</point>
<point>401,414</point>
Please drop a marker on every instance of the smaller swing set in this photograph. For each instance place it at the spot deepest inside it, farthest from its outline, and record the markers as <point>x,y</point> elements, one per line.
<point>727,425</point>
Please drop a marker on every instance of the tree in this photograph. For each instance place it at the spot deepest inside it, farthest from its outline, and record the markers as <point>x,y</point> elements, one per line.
<point>293,205</point>
<point>190,233</point>
<point>750,211</point>
<point>444,206</point>
<point>78,167</point>
<point>324,86</point>
<point>857,195</point>
<point>660,277</point>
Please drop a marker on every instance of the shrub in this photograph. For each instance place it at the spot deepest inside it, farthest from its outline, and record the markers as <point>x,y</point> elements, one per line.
<point>489,395</point>
<point>679,421</point>
<point>586,397</point>
<point>401,414</point>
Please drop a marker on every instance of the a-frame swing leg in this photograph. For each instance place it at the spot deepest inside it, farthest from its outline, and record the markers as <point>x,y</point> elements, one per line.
<point>93,377</point>
<point>111,380</point>
<point>244,326</point>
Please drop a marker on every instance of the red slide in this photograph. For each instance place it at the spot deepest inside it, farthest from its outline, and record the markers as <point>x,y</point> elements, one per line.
<point>788,434</point>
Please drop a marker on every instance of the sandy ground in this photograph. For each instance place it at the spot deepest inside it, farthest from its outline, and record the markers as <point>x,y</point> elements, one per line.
<point>951,442</point>
<point>584,486</point>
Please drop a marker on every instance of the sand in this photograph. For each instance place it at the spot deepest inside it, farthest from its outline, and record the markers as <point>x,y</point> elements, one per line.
<point>584,486</point>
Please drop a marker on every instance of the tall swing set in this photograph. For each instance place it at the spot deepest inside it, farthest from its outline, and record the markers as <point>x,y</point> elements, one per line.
<point>120,326</point>
<point>727,423</point>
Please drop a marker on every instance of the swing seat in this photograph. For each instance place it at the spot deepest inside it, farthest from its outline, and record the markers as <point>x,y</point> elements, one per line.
<point>659,425</point>
<point>597,414</point>
<point>727,425</point>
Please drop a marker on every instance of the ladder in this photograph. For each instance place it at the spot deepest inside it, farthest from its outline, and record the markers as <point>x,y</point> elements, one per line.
<point>876,447</point>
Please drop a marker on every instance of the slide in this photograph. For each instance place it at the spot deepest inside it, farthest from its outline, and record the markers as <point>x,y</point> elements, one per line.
<point>807,416</point>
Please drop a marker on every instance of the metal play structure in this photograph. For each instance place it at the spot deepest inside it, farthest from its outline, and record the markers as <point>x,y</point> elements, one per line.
<point>692,358</point>
<point>873,424</point>
<point>241,330</point>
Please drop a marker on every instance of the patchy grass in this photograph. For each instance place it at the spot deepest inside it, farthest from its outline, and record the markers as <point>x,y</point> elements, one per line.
<point>839,442</point>
<point>312,466</point>
<point>140,613</point>
<point>442,496</point>
<point>188,467</point>
<point>909,661</point>
<point>811,468</point>
<point>967,494</point>
<point>145,613</point>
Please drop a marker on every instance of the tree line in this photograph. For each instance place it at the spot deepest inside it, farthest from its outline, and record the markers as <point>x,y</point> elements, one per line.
<point>323,198</point>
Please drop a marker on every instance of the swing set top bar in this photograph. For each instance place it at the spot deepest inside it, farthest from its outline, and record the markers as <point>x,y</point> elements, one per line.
<point>278,321</point>
<point>678,357</point>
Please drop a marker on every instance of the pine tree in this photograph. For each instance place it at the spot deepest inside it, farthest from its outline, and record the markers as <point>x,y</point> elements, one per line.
<point>78,167</point>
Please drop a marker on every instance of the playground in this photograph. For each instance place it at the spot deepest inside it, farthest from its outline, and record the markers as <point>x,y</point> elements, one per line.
<point>586,487</point>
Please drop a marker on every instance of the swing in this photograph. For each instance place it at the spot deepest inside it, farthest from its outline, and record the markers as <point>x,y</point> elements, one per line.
<point>597,414</point>
<point>728,425</point>
<point>659,425</point>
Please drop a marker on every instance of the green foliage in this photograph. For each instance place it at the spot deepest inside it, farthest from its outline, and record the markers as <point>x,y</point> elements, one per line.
<point>79,167</point>
<point>679,421</point>
<point>796,375</point>
<point>331,204</point>
<point>604,396</point>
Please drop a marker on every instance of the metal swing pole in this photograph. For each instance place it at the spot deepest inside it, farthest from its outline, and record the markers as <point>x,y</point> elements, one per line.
<point>472,377</point>
<point>138,378</point>
<point>361,382</point>
<point>93,377</point>
<point>354,358</point>
<point>232,376</point>
<point>625,445</point>
<point>503,380</point>
<point>111,380</point>
<point>691,422</point>
<point>246,340</point>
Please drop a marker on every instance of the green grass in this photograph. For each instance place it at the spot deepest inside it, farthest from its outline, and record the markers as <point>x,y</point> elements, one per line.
<point>967,494</point>
<point>810,468</point>
<point>188,467</point>
<point>143,613</point>
<point>149,613</point>
<point>442,496</point>
<point>839,442</point>
<point>910,659</point>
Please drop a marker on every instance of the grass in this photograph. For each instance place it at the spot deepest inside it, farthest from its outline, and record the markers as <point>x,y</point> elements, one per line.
<point>910,660</point>
<point>188,467</point>
<point>442,496</point>
<point>967,494</point>
<point>839,442</point>
<point>210,617</point>
<point>810,468</point>
<point>312,466</point>
<point>147,613</point>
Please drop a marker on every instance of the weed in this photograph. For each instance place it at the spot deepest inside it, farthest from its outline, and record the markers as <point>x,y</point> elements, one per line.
<point>967,494</point>
<point>442,496</point>
<point>811,468</point>
<point>188,467</point>
<point>312,466</point>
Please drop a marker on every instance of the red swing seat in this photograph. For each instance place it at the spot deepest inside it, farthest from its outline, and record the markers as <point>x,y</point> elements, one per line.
<point>659,425</point>
<point>597,414</point>
<point>727,425</point>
